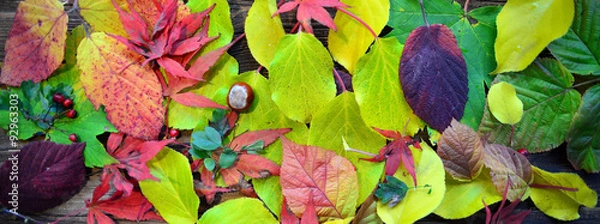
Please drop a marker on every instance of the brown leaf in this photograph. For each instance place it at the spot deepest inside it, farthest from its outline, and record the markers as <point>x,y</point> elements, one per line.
<point>461,151</point>
<point>507,164</point>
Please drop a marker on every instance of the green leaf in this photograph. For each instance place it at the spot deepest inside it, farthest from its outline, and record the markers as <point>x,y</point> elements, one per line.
<point>220,21</point>
<point>210,164</point>
<point>392,191</point>
<point>229,212</point>
<point>578,50</point>
<point>419,202</point>
<point>227,158</point>
<point>263,31</point>
<point>341,119</point>
<point>557,203</point>
<point>352,39</point>
<point>301,76</point>
<point>525,28</point>
<point>405,15</point>
<point>504,103</point>
<point>257,146</point>
<point>173,196</point>
<point>463,199</point>
<point>583,138</point>
<point>378,91</point>
<point>549,103</point>
<point>209,139</point>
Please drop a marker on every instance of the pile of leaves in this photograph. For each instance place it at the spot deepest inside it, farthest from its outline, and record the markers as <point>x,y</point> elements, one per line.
<point>318,142</point>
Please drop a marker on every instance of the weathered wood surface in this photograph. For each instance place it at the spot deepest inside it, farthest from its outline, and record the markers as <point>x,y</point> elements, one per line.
<point>554,161</point>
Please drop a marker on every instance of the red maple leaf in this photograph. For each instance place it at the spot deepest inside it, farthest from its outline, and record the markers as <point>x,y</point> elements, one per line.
<point>133,207</point>
<point>312,9</point>
<point>132,154</point>
<point>395,152</point>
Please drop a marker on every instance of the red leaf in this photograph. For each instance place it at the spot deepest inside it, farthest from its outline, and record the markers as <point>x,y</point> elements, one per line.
<point>395,152</point>
<point>249,138</point>
<point>36,42</point>
<point>312,9</point>
<point>433,74</point>
<point>46,175</point>
<point>203,64</point>
<point>256,166</point>
<point>207,187</point>
<point>310,215</point>
<point>287,216</point>
<point>194,100</point>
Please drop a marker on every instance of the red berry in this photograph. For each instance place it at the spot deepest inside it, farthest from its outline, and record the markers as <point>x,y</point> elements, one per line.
<point>71,113</point>
<point>523,152</point>
<point>68,103</point>
<point>58,98</point>
<point>73,138</point>
<point>240,96</point>
<point>173,133</point>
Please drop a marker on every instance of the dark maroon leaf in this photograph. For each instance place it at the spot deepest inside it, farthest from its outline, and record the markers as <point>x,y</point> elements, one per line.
<point>346,80</point>
<point>433,74</point>
<point>43,175</point>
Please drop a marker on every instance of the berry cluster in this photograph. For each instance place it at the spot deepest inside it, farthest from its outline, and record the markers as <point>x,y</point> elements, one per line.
<point>70,112</point>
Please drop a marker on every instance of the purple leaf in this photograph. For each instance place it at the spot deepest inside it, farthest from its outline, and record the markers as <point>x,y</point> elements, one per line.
<point>43,175</point>
<point>346,80</point>
<point>433,74</point>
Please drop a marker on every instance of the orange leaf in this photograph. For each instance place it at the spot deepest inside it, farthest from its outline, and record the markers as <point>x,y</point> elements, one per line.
<point>311,176</point>
<point>113,76</point>
<point>36,42</point>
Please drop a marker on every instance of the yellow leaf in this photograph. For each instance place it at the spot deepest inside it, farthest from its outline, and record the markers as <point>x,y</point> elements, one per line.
<point>525,28</point>
<point>102,16</point>
<point>263,32</point>
<point>504,103</point>
<point>561,204</point>
<point>352,39</point>
<point>419,202</point>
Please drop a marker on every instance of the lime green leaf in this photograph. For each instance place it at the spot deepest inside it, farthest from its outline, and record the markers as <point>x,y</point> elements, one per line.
<point>263,32</point>
<point>549,103</point>
<point>173,196</point>
<point>558,203</point>
<point>504,103</point>
<point>378,91</point>
<point>578,50</point>
<point>301,76</point>
<point>253,211</point>
<point>463,199</point>
<point>352,39</point>
<point>583,148</point>
<point>341,118</point>
<point>405,15</point>
<point>220,21</point>
<point>418,202</point>
<point>101,14</point>
<point>525,28</point>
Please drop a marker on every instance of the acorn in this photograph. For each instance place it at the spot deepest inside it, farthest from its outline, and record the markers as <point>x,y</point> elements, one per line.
<point>240,96</point>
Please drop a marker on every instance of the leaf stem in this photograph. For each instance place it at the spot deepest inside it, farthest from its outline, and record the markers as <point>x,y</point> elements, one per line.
<point>585,83</point>
<point>237,39</point>
<point>361,152</point>
<point>423,12</point>
<point>466,7</point>
<point>339,79</point>
<point>358,20</point>
<point>69,215</point>
<point>296,27</point>
<point>543,186</point>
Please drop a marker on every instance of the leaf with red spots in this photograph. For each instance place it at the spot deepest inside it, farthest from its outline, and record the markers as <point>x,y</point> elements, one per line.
<point>114,76</point>
<point>311,176</point>
<point>312,9</point>
<point>46,175</point>
<point>36,42</point>
<point>433,74</point>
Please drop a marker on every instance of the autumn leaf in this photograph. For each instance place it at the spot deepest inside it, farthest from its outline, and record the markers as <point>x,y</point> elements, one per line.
<point>262,31</point>
<point>583,138</point>
<point>113,76</point>
<point>508,167</point>
<point>101,14</point>
<point>433,75</point>
<point>220,21</point>
<point>229,212</point>
<point>312,9</point>
<point>249,138</point>
<point>544,21</point>
<point>504,103</point>
<point>309,172</point>
<point>47,175</point>
<point>396,152</point>
<point>36,42</point>
<point>461,151</point>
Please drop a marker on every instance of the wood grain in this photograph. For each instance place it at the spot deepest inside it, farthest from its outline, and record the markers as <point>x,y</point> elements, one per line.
<point>554,161</point>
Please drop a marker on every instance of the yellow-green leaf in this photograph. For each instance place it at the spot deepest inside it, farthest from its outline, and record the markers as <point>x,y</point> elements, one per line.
<point>220,21</point>
<point>101,14</point>
<point>525,28</point>
<point>301,76</point>
<point>263,32</point>
<point>463,199</point>
<point>504,103</point>
<point>173,196</point>
<point>352,39</point>
<point>241,210</point>
<point>419,202</point>
<point>378,90</point>
<point>561,204</point>
<point>341,118</point>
